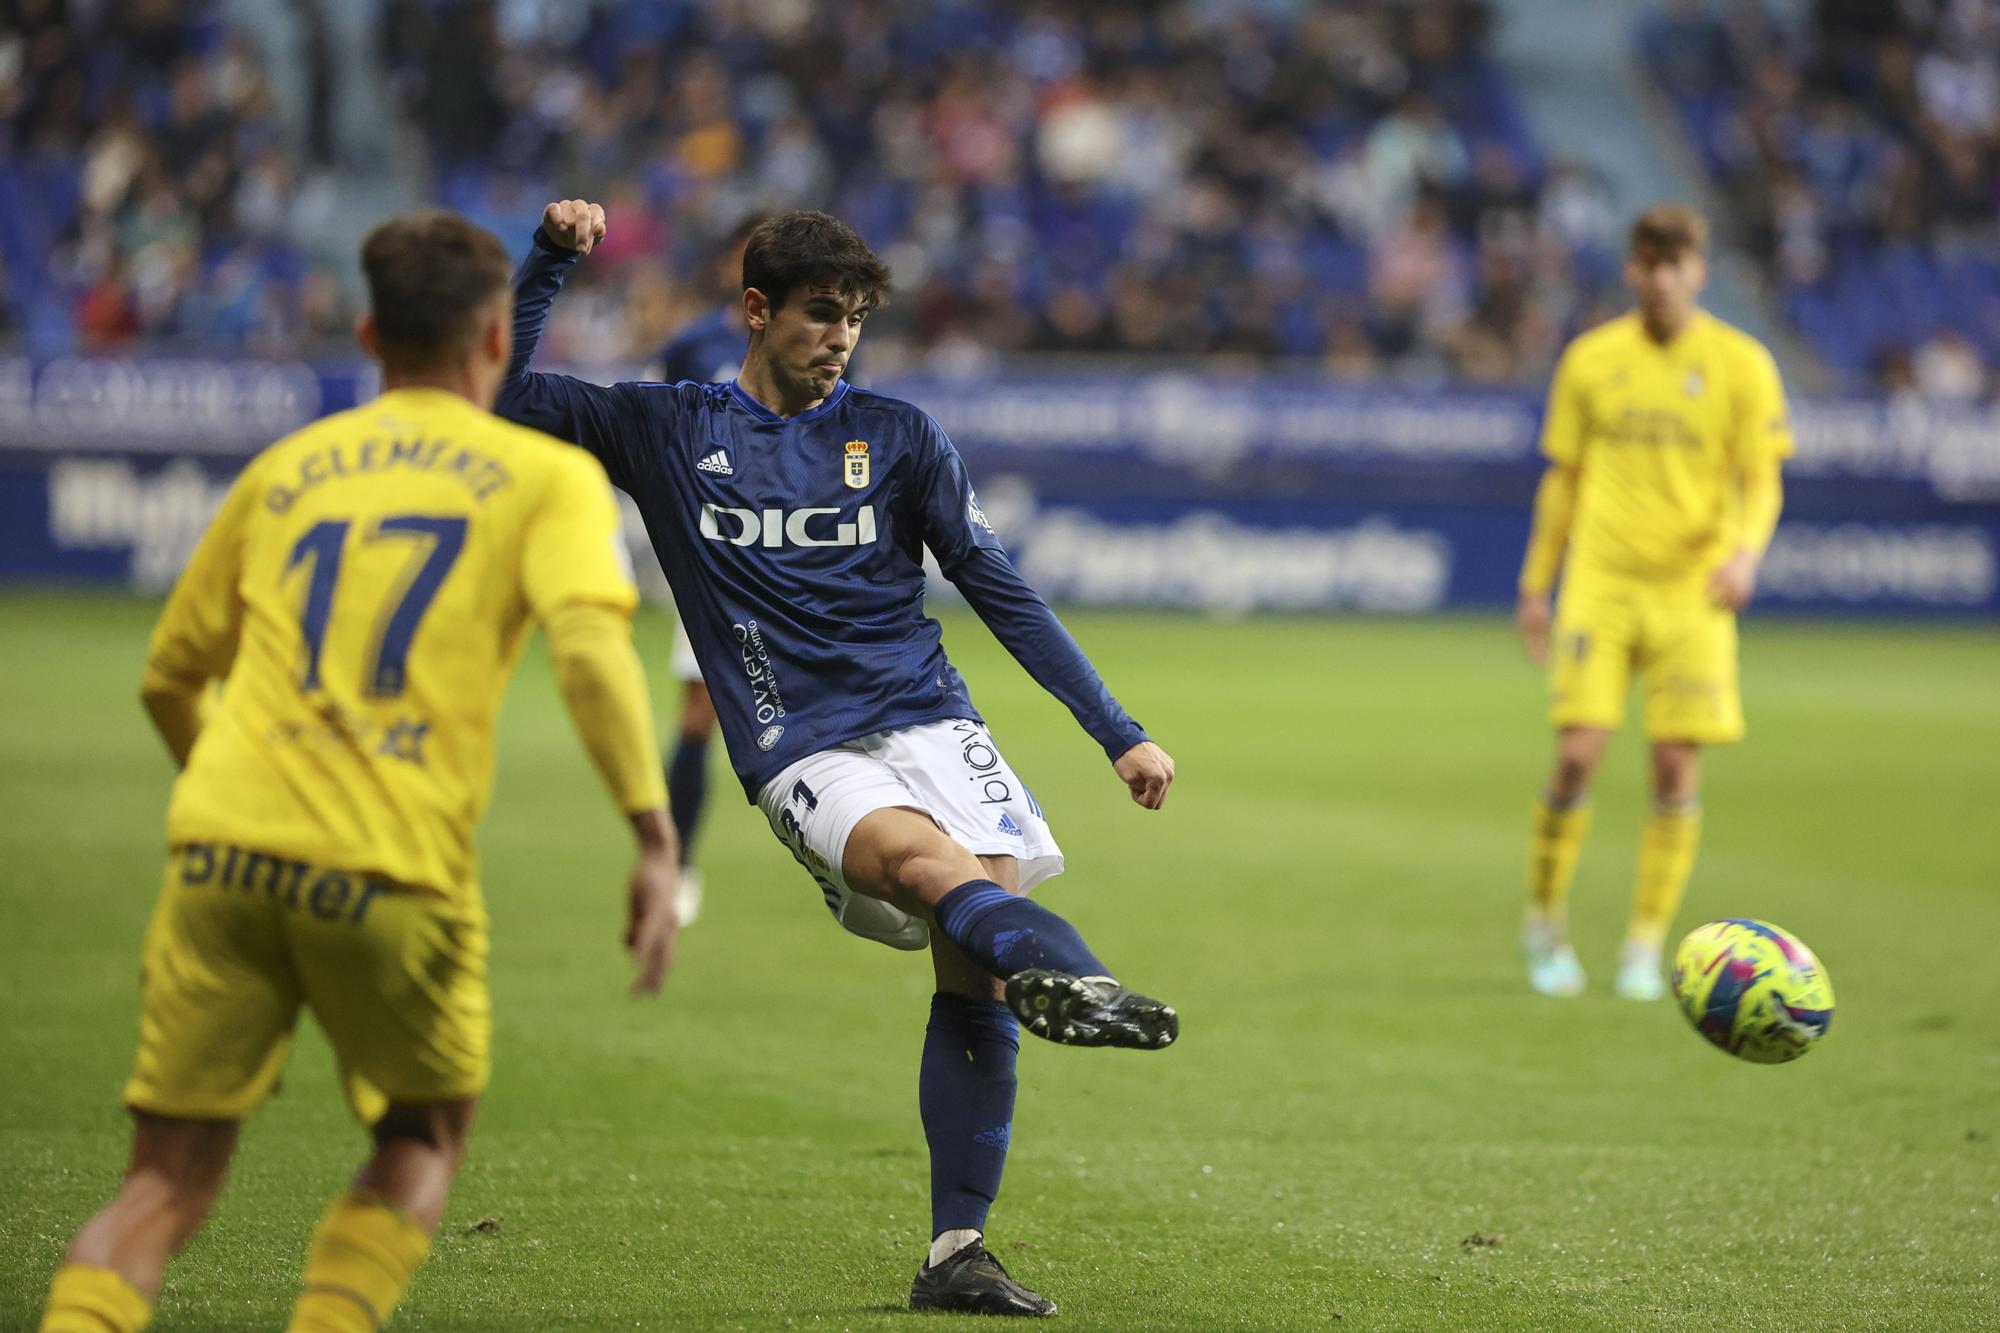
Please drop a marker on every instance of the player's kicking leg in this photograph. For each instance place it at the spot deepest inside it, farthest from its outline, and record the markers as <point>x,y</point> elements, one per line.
<point>1666,858</point>
<point>371,1241</point>
<point>869,820</point>
<point>965,1093</point>
<point>1055,984</point>
<point>1562,821</point>
<point>111,1275</point>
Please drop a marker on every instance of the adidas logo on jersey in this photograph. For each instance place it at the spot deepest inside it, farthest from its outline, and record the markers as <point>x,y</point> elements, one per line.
<point>1008,826</point>
<point>716,461</point>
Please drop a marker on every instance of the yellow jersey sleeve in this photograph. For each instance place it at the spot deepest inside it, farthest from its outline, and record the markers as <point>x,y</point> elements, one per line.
<point>1567,421</point>
<point>1763,424</point>
<point>195,639</point>
<point>605,688</point>
<point>572,549</point>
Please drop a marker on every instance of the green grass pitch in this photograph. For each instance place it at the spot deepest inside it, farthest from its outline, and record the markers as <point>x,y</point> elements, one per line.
<point>1330,899</point>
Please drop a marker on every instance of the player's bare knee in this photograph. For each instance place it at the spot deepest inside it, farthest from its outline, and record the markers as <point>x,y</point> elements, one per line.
<point>1676,772</point>
<point>1571,779</point>
<point>442,1127</point>
<point>1579,752</point>
<point>900,856</point>
<point>915,879</point>
<point>170,1200</point>
<point>185,1157</point>
<point>932,871</point>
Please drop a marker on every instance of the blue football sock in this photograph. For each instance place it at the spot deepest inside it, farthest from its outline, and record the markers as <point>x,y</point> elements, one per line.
<point>687,789</point>
<point>965,1093</point>
<point>1006,933</point>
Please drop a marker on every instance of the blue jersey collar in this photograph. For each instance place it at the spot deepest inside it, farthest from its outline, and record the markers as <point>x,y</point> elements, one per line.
<point>763,413</point>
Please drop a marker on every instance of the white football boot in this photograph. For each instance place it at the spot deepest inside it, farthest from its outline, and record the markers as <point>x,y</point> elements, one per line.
<point>1639,972</point>
<point>687,895</point>
<point>1552,965</point>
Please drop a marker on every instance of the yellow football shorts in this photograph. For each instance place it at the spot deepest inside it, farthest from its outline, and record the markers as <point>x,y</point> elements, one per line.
<point>239,941</point>
<point>1682,646</point>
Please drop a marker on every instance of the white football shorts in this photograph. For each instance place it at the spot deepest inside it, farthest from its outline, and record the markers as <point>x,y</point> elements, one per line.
<point>951,771</point>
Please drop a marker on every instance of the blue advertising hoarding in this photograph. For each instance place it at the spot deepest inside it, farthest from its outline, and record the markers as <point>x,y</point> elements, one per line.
<point>1148,490</point>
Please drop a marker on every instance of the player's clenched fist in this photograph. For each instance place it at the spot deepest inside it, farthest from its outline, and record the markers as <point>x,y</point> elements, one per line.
<point>574,224</point>
<point>1148,772</point>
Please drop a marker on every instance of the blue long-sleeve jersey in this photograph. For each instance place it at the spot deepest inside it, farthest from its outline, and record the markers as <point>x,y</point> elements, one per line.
<point>795,550</point>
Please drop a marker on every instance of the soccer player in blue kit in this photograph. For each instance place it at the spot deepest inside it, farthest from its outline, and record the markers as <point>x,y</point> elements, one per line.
<point>790,512</point>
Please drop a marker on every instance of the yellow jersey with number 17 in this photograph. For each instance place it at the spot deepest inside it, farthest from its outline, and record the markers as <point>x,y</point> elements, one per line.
<point>366,588</point>
<point>1659,434</point>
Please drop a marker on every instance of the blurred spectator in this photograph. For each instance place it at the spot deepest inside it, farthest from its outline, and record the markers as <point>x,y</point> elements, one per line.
<point>1948,366</point>
<point>145,190</point>
<point>1211,179</point>
<point>1348,187</point>
<point>1860,149</point>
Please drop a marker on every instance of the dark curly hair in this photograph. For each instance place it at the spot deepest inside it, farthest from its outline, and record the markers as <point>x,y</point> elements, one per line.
<point>807,249</point>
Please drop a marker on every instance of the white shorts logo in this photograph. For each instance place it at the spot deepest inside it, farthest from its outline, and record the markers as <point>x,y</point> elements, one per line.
<point>770,737</point>
<point>950,770</point>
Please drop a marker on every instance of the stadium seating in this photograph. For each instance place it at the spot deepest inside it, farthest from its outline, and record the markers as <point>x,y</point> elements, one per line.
<point>1233,182</point>
<point>1859,148</point>
<point>1236,182</point>
<point>146,183</point>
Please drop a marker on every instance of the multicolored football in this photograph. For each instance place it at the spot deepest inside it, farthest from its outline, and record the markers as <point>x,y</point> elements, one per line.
<point>1753,990</point>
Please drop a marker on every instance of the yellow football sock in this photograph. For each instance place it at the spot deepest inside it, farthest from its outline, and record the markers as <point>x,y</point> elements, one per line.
<point>1666,858</point>
<point>84,1298</point>
<point>1553,848</point>
<point>360,1264</point>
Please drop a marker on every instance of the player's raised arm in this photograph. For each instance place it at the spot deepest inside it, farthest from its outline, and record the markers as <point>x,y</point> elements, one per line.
<point>580,589</point>
<point>609,422</point>
<point>194,642</point>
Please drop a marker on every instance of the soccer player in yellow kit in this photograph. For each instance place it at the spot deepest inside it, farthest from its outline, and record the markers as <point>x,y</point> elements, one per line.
<point>363,595</point>
<point>1664,435</point>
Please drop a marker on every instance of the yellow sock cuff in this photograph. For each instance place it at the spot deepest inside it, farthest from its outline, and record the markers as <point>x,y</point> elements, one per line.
<point>363,1256</point>
<point>84,1298</point>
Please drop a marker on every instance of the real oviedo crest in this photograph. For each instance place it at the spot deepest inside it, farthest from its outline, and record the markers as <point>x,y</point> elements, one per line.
<point>854,467</point>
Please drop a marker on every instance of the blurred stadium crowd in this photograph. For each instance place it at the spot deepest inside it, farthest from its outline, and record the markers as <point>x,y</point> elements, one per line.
<point>1861,151</point>
<point>1345,186</point>
<point>146,190</point>
<point>1351,183</point>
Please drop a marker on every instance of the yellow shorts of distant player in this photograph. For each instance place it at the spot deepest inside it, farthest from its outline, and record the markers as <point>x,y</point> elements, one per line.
<point>240,941</point>
<point>1681,646</point>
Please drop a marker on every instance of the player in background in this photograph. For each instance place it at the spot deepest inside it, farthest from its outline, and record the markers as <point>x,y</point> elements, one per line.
<point>1664,435</point>
<point>791,510</point>
<point>363,594</point>
<point>707,350</point>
